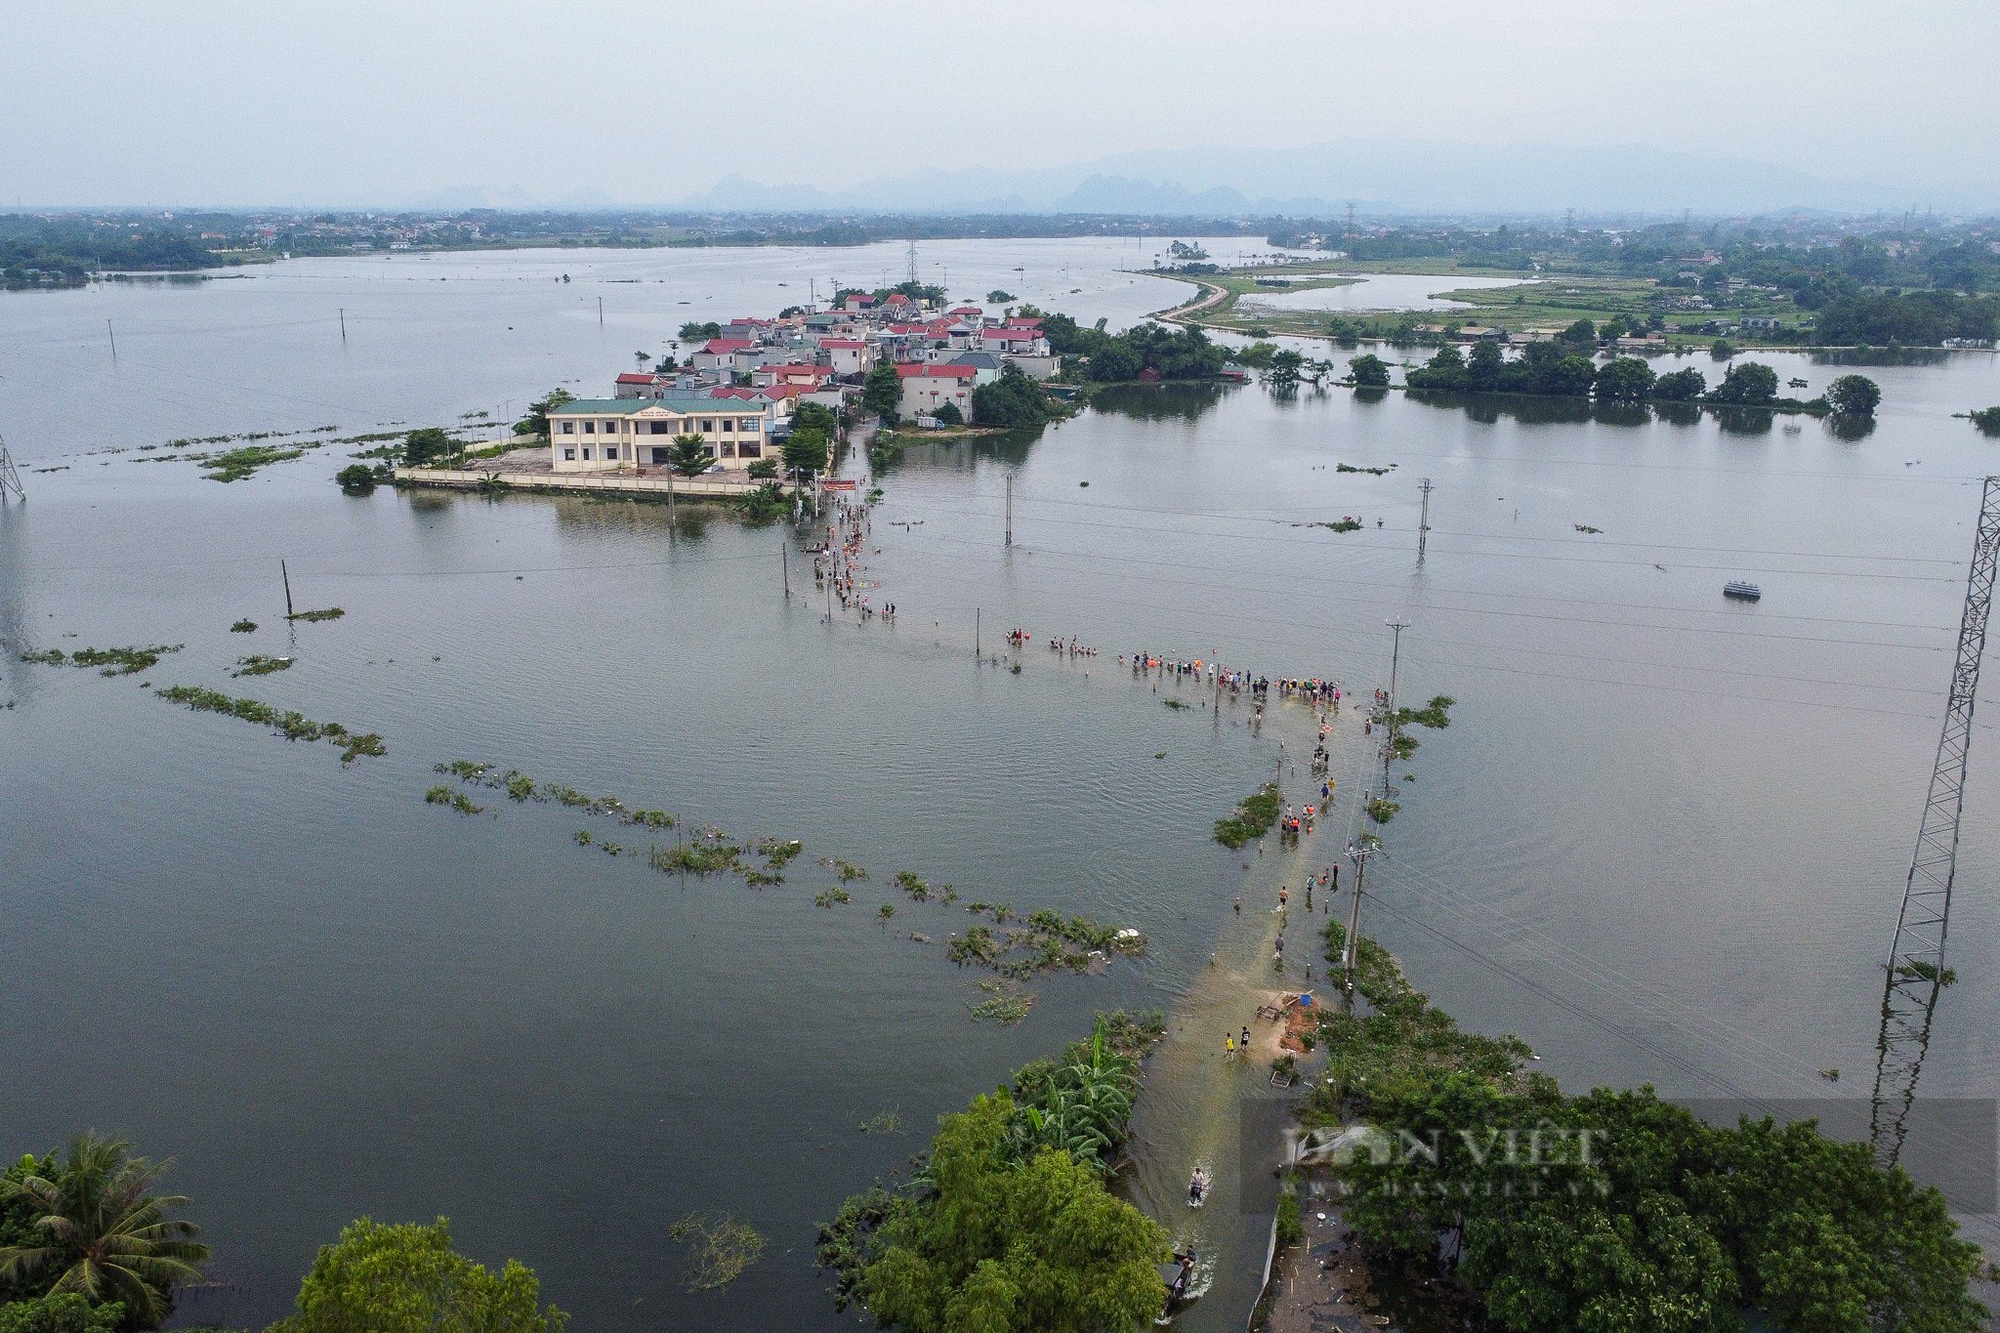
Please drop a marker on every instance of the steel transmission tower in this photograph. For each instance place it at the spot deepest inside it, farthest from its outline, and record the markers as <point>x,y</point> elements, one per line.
<point>10,480</point>
<point>1915,973</point>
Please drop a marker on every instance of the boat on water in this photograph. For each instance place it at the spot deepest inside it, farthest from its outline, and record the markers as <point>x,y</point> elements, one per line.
<point>1177,1276</point>
<point>1741,591</point>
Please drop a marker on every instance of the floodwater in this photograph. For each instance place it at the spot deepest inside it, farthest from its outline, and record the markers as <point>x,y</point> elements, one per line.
<point>1663,838</point>
<point>1377,292</point>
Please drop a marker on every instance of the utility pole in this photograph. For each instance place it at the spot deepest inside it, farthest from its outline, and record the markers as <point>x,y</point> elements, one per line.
<point>600,312</point>
<point>286,575</point>
<point>343,326</point>
<point>785,564</point>
<point>977,612</point>
<point>1350,955</point>
<point>1915,973</point>
<point>1010,509</point>
<point>1389,740</point>
<point>113,335</point>
<point>1424,522</point>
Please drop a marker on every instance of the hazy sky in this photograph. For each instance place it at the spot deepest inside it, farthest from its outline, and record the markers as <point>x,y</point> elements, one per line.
<point>288,101</point>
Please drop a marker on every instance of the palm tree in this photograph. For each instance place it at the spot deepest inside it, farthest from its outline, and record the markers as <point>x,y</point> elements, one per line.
<point>105,1235</point>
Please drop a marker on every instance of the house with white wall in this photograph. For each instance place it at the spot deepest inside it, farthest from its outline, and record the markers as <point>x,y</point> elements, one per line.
<point>637,434</point>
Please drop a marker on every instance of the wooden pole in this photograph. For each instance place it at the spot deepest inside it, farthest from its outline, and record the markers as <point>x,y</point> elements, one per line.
<point>785,563</point>
<point>286,575</point>
<point>976,612</point>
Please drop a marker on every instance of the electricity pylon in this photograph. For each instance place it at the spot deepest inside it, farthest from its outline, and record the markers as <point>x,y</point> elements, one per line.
<point>1915,972</point>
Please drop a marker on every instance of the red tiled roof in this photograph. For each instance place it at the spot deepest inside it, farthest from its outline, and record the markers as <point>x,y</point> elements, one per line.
<point>918,370</point>
<point>897,298</point>
<point>1025,322</point>
<point>635,377</point>
<point>725,344</point>
<point>1009,335</point>
<point>846,343</point>
<point>966,310</point>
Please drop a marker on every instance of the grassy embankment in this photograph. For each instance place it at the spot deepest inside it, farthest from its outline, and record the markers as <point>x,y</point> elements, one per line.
<point>1548,302</point>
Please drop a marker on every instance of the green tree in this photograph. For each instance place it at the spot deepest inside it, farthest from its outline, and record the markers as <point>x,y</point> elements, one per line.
<point>99,1231</point>
<point>1284,372</point>
<point>1580,335</point>
<point>406,1278</point>
<point>17,1222</point>
<point>815,416</point>
<point>428,445</point>
<point>696,331</point>
<point>999,296</point>
<point>805,452</point>
<point>356,478</point>
<point>1680,386</point>
<point>1002,1246</point>
<point>1486,368</point>
<point>1624,379</point>
<point>882,391</point>
<point>690,457</point>
<point>1747,384</point>
<point>537,420</point>
<point>949,415</point>
<point>1012,400</point>
<point>1445,370</point>
<point>764,469</point>
<point>63,1313</point>
<point>1369,371</point>
<point>1854,395</point>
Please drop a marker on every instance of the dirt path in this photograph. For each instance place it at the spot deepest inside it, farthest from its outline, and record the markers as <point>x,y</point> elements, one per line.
<point>1180,314</point>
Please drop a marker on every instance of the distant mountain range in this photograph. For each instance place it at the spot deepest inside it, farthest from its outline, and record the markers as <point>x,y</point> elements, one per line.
<point>1379,176</point>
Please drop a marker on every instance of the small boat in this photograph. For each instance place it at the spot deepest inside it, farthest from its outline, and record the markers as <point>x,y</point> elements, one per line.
<point>1198,1187</point>
<point>1741,591</point>
<point>1177,1275</point>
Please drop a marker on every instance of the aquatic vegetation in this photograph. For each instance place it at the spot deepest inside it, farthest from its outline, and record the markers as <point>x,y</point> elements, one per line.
<point>1404,746</point>
<point>583,837</point>
<point>244,627</point>
<point>1370,471</point>
<point>1586,529</point>
<point>1344,525</point>
<point>520,787</point>
<point>847,870</point>
<point>1005,1003</point>
<point>886,910</point>
<point>1254,815</point>
<point>465,770</point>
<point>779,853</point>
<point>884,1122</point>
<point>109,661</point>
<point>259,665</point>
<point>721,1248</point>
<point>292,726</point>
<point>977,945</point>
<point>243,462</point>
<point>1436,714</point>
<point>1987,420</point>
<point>1175,704</point>
<point>1381,809</point>
<point>655,819</point>
<point>913,884</point>
<point>695,858</point>
<point>324,613</point>
<point>757,879</point>
<point>444,794</point>
<point>829,897</point>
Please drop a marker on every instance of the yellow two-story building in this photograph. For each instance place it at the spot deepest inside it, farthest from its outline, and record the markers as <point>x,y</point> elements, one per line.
<point>637,434</point>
